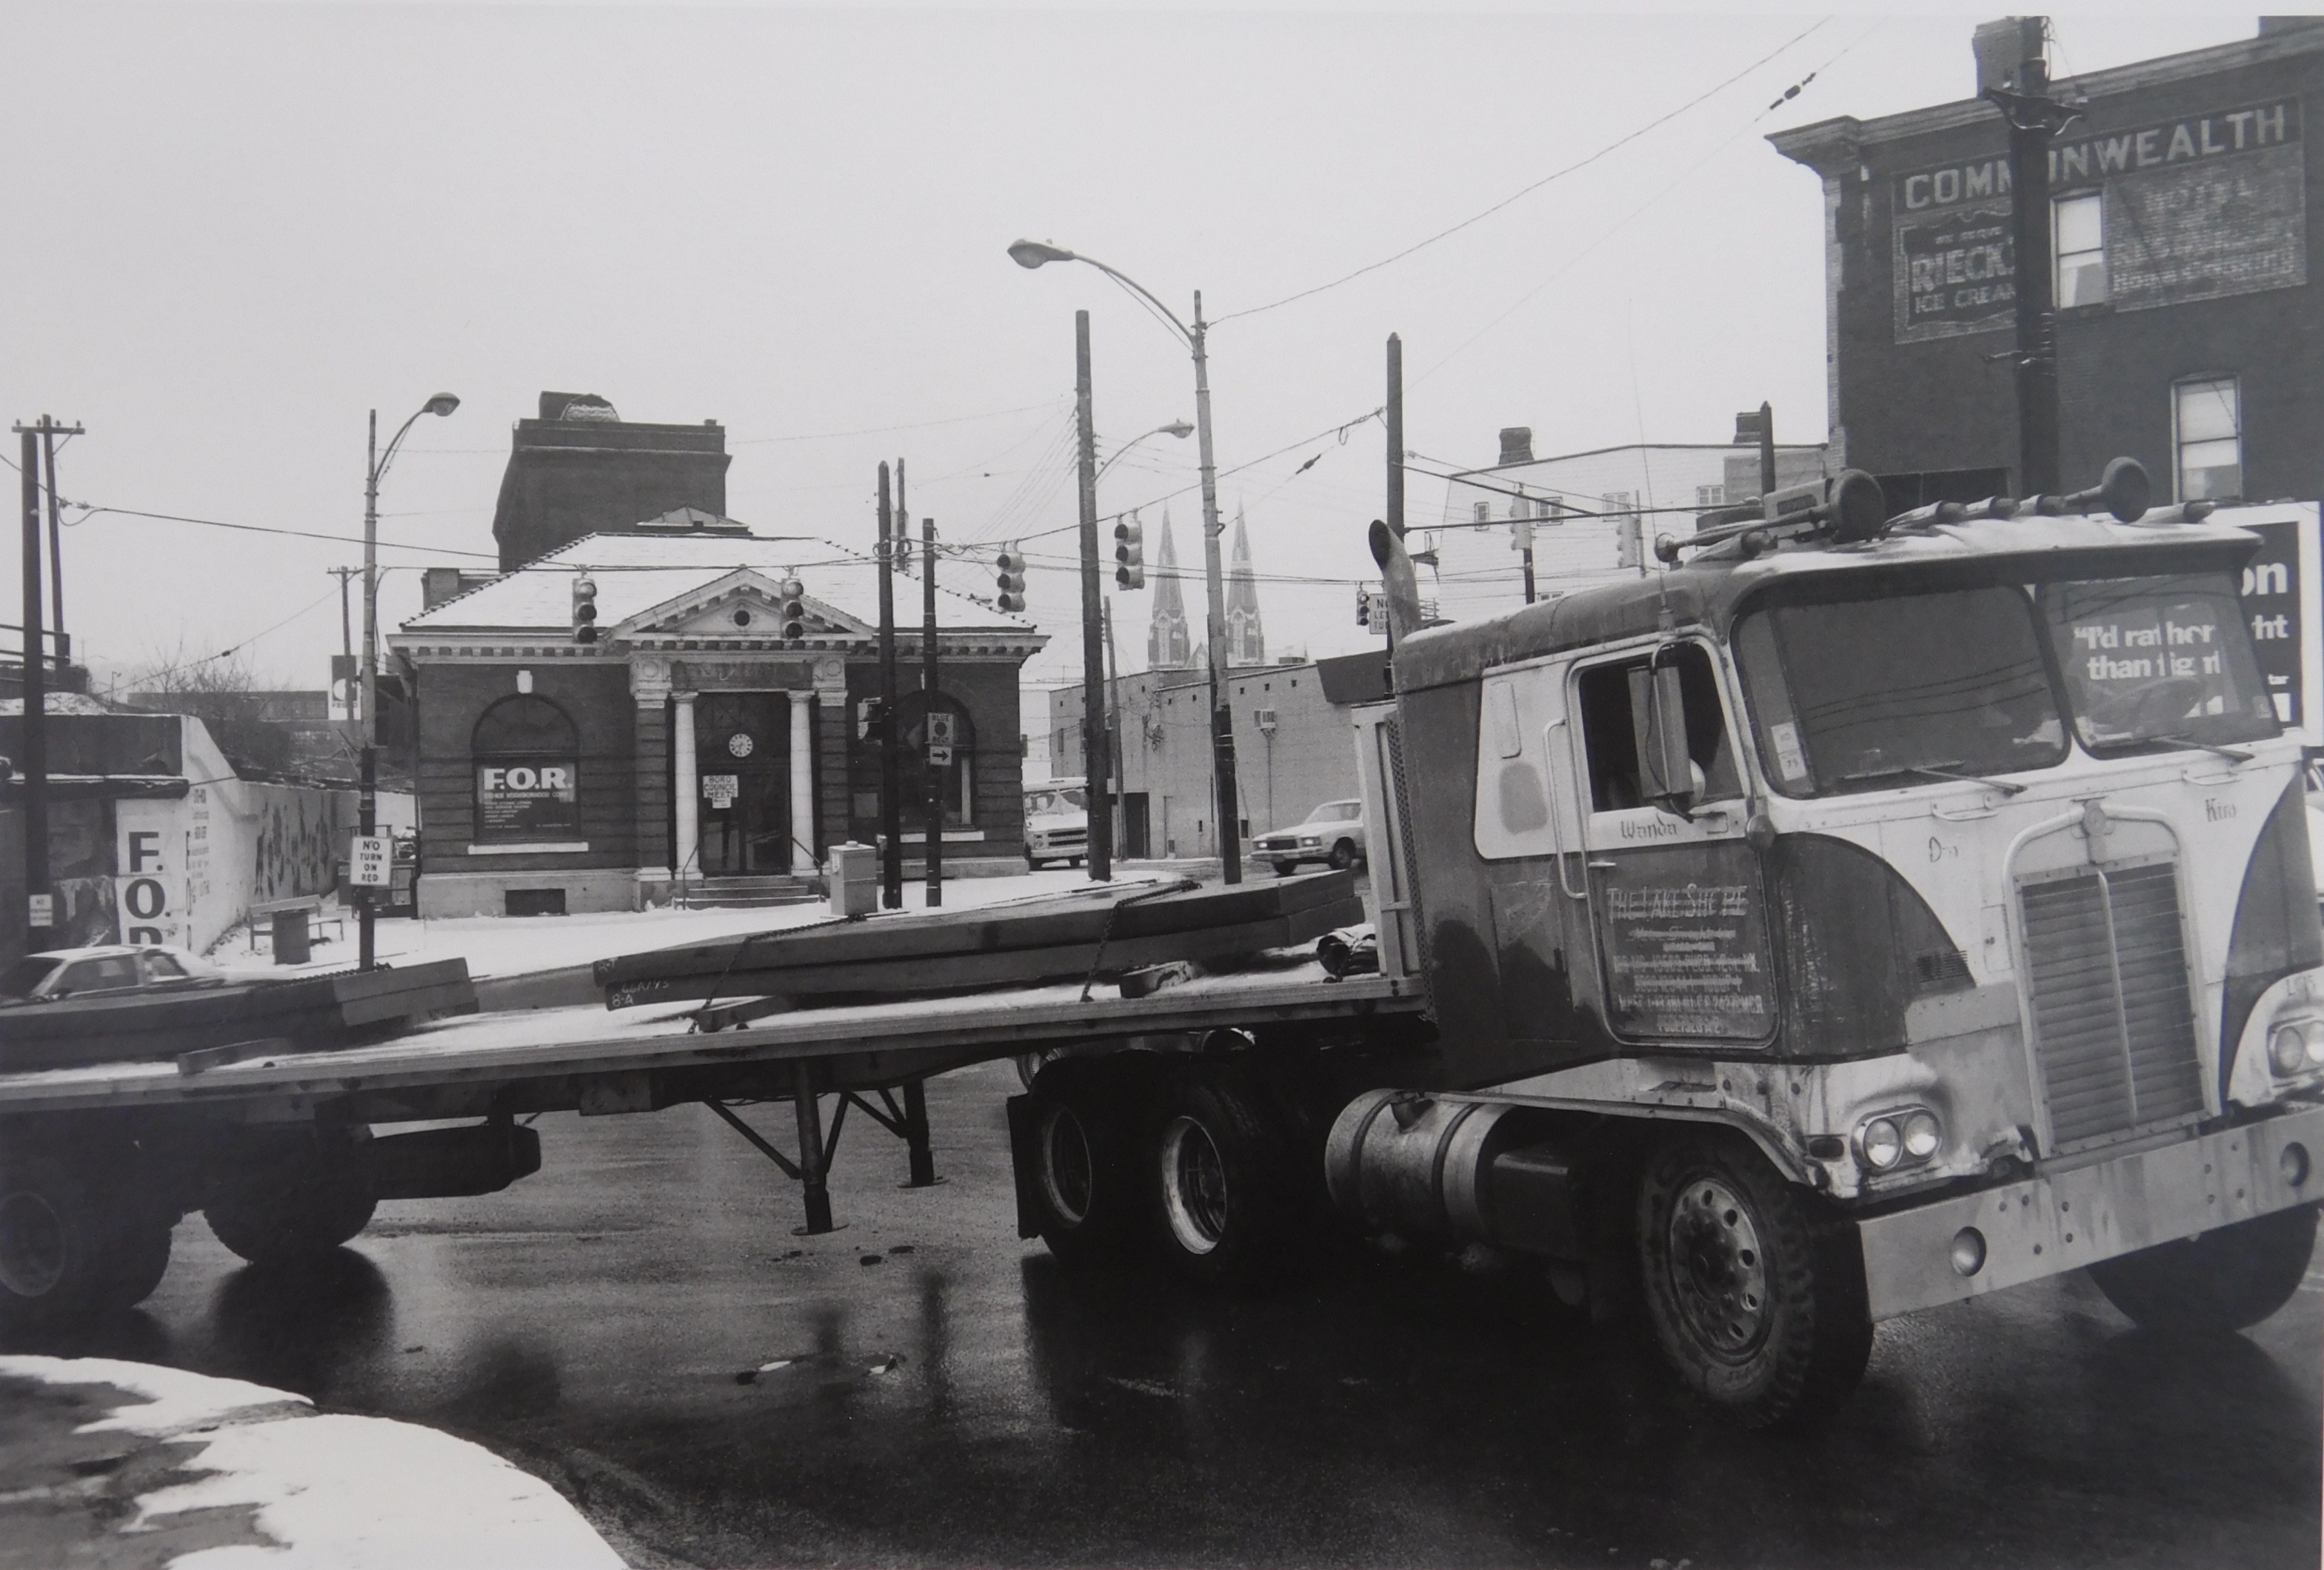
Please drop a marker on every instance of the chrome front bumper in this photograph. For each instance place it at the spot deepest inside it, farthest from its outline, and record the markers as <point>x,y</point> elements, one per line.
<point>2075,1214</point>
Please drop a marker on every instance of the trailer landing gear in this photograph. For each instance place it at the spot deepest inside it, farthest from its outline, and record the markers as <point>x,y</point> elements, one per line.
<point>908,1121</point>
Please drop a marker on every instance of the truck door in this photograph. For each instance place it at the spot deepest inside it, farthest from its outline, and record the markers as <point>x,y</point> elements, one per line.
<point>1528,828</point>
<point>1677,912</point>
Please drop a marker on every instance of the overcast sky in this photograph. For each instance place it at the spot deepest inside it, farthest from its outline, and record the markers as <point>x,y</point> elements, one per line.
<point>233,230</point>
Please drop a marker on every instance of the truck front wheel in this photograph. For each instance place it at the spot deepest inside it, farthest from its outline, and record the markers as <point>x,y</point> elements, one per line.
<point>2222,1282</point>
<point>1227,1194</point>
<point>295,1205</point>
<point>1756,1298</point>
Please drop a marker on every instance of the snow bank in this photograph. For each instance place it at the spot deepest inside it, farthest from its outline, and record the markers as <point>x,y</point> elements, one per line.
<point>332,1490</point>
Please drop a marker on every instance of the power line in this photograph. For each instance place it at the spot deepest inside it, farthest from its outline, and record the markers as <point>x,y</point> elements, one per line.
<point>89,512</point>
<point>1519,195</point>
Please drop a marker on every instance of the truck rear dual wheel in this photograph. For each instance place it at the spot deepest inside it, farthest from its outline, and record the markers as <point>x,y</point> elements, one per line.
<point>70,1245</point>
<point>1756,1295</point>
<point>2222,1282</point>
<point>1229,1198</point>
<point>293,1206</point>
<point>1084,1192</point>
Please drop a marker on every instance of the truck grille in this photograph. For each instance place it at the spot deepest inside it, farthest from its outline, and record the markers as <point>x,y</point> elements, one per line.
<point>2114,1023</point>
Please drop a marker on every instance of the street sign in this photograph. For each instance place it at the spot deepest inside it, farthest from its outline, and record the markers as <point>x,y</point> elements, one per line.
<point>721,789</point>
<point>369,857</point>
<point>43,911</point>
<point>939,757</point>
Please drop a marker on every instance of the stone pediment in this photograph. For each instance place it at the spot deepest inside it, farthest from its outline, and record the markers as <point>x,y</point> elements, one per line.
<point>745,606</point>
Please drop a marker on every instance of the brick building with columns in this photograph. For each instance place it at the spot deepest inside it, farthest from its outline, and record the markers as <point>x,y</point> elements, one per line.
<point>692,742</point>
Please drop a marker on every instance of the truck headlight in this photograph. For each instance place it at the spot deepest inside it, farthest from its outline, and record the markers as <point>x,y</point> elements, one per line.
<point>1882,1145</point>
<point>2288,1051</point>
<point>1923,1135</point>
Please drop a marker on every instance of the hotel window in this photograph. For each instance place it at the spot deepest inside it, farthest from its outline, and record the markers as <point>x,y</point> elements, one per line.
<point>2078,238</point>
<point>2207,420</point>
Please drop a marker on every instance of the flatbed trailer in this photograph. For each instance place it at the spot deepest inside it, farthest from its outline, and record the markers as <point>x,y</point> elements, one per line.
<point>288,1151</point>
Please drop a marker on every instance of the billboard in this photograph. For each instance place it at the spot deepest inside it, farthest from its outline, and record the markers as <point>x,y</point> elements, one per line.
<point>2283,600</point>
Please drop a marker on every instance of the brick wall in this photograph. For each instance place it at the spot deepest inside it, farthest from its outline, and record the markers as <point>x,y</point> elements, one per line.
<point>595,695</point>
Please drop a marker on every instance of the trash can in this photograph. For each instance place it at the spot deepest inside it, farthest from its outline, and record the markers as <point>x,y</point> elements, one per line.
<point>854,875</point>
<point>290,945</point>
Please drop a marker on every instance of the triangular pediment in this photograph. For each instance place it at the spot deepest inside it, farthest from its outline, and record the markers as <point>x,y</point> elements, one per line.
<point>745,605</point>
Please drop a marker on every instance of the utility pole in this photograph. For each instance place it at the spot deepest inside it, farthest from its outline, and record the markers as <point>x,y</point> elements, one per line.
<point>40,911</point>
<point>1112,721</point>
<point>367,796</point>
<point>937,776</point>
<point>1529,571</point>
<point>50,431</point>
<point>892,825</point>
<point>1223,743</point>
<point>1767,448</point>
<point>2014,75</point>
<point>1396,449</point>
<point>1096,770</point>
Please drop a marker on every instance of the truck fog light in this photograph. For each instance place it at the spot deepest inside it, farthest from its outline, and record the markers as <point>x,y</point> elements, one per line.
<point>1968,1250</point>
<point>1882,1148</point>
<point>2292,1162</point>
<point>2287,1049</point>
<point>1921,1135</point>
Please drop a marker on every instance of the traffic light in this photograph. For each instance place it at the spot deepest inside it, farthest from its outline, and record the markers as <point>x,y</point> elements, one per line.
<point>1129,554</point>
<point>867,717</point>
<point>1630,543</point>
<point>1011,566</point>
<point>584,609</point>
<point>794,610</point>
<point>1521,526</point>
<point>1363,606</point>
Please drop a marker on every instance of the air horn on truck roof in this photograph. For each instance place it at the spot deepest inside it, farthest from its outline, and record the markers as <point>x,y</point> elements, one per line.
<point>1850,507</point>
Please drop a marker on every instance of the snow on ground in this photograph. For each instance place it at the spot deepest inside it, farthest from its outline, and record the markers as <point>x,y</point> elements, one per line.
<point>332,1490</point>
<point>499,946</point>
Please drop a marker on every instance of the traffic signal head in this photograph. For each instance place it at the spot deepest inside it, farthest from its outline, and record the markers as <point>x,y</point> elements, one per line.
<point>1363,606</point>
<point>794,610</point>
<point>1521,532</point>
<point>584,609</point>
<point>1009,572</point>
<point>1129,554</point>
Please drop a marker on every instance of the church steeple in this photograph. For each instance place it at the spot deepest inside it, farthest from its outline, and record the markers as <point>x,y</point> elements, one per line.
<point>1246,640</point>
<point>1169,642</point>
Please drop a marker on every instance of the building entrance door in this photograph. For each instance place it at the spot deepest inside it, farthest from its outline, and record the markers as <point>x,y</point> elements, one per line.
<point>742,766</point>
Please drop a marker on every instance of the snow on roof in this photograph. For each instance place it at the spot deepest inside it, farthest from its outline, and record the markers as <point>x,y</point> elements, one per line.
<point>636,573</point>
<point>64,703</point>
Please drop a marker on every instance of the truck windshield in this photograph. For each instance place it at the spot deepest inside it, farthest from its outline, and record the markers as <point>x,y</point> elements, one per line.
<point>1874,694</point>
<point>2157,661</point>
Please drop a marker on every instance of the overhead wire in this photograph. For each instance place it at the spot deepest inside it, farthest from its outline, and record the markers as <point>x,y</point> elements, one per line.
<point>1475,218</point>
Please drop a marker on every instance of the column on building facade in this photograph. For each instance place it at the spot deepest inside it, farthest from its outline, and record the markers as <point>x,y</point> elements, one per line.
<point>686,790</point>
<point>650,765</point>
<point>802,781</point>
<point>836,722</point>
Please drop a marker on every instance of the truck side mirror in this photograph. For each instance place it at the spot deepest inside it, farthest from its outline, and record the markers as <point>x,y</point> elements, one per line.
<point>1658,721</point>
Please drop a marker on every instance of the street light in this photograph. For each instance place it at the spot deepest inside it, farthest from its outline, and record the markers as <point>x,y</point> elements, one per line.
<point>367,803</point>
<point>1031,254</point>
<point>1177,427</point>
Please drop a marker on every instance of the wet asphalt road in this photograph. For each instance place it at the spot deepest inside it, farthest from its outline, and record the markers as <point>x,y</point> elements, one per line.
<point>952,1397</point>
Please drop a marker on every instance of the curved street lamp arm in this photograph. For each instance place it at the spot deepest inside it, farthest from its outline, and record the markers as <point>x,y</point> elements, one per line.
<point>388,457</point>
<point>1127,282</point>
<point>1177,427</point>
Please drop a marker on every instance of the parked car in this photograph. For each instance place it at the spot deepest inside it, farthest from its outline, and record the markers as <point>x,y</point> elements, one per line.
<point>1333,832</point>
<point>111,967</point>
<point>1057,824</point>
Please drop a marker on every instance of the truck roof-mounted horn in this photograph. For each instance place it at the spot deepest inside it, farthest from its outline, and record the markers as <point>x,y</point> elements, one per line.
<point>1844,508</point>
<point>2123,490</point>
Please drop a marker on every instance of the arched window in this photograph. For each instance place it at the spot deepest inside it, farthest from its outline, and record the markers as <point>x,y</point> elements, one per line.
<point>528,761</point>
<point>912,711</point>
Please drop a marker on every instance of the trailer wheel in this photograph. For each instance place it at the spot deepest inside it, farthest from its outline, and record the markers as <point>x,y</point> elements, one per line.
<point>1084,1192</point>
<point>2222,1282</point>
<point>1229,1199</point>
<point>1756,1298</point>
<point>296,1205</point>
<point>70,1247</point>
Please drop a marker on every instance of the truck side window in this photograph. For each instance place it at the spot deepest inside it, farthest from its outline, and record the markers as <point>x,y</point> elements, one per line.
<point>1610,741</point>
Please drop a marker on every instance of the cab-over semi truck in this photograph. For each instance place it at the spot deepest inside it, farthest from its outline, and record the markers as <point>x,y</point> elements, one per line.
<point>1856,914</point>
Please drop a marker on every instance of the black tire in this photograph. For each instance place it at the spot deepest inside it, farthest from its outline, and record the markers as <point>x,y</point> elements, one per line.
<point>70,1246</point>
<point>1755,1293</point>
<point>1225,1190</point>
<point>1084,1160</point>
<point>1343,856</point>
<point>2223,1281</point>
<point>293,1204</point>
